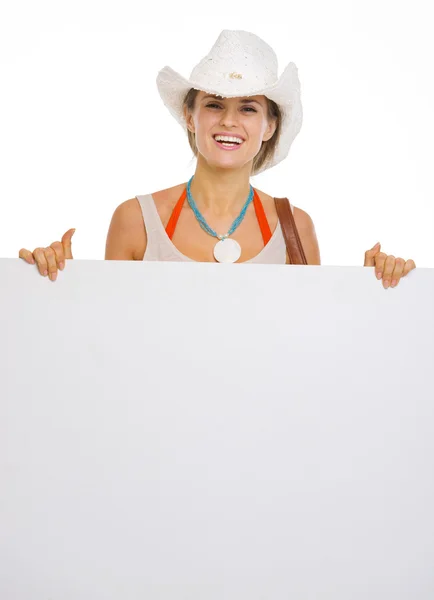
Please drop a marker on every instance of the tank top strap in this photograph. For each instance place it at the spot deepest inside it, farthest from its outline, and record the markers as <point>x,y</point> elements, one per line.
<point>151,219</point>
<point>262,219</point>
<point>170,227</point>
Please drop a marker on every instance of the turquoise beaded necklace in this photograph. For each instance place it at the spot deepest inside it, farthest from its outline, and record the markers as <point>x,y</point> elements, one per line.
<point>205,225</point>
<point>225,250</point>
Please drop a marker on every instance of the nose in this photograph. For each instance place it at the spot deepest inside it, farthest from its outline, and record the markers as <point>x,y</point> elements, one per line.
<point>229,116</point>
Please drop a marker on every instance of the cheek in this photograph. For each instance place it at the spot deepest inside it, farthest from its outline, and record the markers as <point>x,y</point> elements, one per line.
<point>205,118</point>
<point>257,131</point>
<point>204,125</point>
<point>256,127</point>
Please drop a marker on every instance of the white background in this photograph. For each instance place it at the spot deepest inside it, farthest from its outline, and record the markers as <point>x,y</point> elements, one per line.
<point>83,127</point>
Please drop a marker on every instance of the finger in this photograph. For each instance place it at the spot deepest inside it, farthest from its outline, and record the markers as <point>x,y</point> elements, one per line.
<point>66,242</point>
<point>370,254</point>
<point>409,266</point>
<point>26,255</point>
<point>397,271</point>
<point>380,259</point>
<point>389,266</point>
<point>60,256</point>
<point>50,255</point>
<point>41,261</point>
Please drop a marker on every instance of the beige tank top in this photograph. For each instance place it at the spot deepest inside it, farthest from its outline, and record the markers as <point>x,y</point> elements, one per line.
<point>160,247</point>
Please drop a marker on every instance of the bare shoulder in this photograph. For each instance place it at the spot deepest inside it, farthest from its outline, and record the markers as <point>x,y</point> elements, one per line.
<point>126,238</point>
<point>126,232</point>
<point>302,219</point>
<point>307,233</point>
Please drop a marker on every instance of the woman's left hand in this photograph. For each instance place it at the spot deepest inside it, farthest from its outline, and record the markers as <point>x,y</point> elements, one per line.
<point>388,267</point>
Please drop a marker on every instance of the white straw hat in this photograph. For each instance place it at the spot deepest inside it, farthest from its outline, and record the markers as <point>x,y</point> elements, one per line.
<point>240,64</point>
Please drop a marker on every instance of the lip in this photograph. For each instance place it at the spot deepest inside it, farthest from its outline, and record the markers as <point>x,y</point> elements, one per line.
<point>229,148</point>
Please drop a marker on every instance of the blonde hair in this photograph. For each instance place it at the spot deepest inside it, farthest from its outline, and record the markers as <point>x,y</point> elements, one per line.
<point>268,148</point>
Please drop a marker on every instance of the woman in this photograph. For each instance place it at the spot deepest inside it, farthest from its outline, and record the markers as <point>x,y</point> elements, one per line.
<point>240,120</point>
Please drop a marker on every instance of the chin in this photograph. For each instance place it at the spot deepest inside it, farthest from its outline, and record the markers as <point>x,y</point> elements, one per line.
<point>229,162</point>
<point>225,164</point>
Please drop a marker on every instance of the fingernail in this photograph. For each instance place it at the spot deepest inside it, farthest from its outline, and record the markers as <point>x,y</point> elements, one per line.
<point>393,283</point>
<point>53,276</point>
<point>61,265</point>
<point>45,273</point>
<point>379,275</point>
<point>386,284</point>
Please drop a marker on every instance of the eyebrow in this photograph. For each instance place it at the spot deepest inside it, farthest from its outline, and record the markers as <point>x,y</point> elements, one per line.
<point>243,101</point>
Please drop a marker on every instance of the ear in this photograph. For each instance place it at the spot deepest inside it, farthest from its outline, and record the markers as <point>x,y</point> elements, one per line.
<point>269,132</point>
<point>188,119</point>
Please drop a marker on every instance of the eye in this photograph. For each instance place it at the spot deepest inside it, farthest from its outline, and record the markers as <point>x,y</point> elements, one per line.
<point>250,108</point>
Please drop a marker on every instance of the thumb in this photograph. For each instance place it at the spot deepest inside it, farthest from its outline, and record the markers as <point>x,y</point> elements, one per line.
<point>370,255</point>
<point>66,243</point>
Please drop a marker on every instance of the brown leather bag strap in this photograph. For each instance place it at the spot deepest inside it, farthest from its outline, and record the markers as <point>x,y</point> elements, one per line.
<point>294,248</point>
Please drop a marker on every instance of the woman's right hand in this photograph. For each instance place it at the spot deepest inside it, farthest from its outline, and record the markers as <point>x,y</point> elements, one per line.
<point>51,258</point>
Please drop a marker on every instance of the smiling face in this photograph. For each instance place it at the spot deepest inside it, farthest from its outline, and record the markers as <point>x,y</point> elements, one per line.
<point>242,117</point>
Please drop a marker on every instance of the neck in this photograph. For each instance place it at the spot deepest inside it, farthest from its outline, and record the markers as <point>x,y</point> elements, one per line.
<point>220,191</point>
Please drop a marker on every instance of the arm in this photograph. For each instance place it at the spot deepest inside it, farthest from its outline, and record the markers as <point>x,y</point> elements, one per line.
<point>126,237</point>
<point>306,231</point>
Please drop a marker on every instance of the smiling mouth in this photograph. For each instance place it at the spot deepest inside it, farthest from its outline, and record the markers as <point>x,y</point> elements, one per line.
<point>228,145</point>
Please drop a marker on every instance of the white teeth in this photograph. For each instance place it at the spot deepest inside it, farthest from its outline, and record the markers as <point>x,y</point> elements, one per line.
<point>226,138</point>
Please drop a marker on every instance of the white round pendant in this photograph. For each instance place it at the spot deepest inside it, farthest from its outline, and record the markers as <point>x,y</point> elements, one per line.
<point>227,251</point>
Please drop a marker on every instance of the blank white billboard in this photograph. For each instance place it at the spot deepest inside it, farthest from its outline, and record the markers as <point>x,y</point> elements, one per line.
<point>199,431</point>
